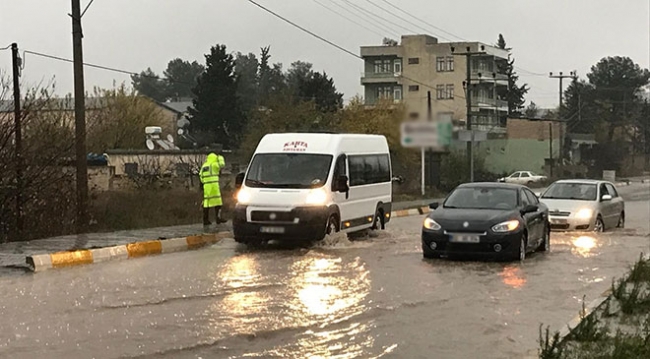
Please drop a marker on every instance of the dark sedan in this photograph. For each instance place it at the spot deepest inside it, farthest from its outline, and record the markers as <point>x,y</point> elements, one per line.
<point>497,220</point>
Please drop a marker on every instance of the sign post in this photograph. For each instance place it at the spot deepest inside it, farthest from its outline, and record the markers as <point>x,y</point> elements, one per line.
<point>472,136</point>
<point>423,135</point>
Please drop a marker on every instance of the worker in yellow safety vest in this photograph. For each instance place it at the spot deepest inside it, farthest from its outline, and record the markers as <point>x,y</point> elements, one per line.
<point>211,191</point>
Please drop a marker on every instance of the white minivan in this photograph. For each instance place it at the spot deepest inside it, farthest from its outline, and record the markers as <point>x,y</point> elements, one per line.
<point>304,186</point>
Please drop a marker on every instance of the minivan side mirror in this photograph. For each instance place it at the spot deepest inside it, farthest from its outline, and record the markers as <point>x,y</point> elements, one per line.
<point>398,179</point>
<point>342,184</point>
<point>434,205</point>
<point>239,179</point>
<point>606,197</point>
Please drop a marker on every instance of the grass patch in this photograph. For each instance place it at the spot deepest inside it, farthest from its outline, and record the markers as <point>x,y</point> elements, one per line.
<point>122,210</point>
<point>618,329</point>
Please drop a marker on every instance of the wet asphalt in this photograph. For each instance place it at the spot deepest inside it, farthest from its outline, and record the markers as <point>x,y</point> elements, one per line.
<point>375,297</point>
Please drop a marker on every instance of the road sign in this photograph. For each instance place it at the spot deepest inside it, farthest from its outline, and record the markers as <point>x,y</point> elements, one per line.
<point>426,134</point>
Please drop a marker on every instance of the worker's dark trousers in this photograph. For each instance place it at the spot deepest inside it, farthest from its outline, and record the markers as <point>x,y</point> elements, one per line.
<point>206,215</point>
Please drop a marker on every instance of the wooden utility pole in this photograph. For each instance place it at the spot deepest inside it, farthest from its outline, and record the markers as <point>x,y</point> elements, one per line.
<point>468,102</point>
<point>18,139</point>
<point>561,76</point>
<point>80,119</point>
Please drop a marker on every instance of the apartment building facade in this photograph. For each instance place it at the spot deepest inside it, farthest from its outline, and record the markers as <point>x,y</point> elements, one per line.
<point>407,71</point>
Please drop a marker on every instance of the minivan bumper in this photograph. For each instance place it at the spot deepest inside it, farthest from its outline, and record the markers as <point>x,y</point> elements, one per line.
<point>299,224</point>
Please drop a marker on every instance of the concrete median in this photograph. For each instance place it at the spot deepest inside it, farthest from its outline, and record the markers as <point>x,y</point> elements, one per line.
<point>42,262</point>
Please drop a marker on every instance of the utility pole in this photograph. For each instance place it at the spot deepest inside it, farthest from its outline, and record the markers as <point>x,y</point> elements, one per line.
<point>468,97</point>
<point>18,139</point>
<point>80,119</point>
<point>561,76</point>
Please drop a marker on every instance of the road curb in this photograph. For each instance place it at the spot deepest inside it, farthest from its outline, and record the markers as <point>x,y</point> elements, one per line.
<point>410,212</point>
<point>42,262</point>
<point>584,313</point>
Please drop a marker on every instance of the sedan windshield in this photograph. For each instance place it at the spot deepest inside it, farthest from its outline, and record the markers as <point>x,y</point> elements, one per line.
<point>482,198</point>
<point>288,170</point>
<point>573,191</point>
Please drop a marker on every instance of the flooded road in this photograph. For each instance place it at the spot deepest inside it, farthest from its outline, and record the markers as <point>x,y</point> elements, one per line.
<point>367,299</point>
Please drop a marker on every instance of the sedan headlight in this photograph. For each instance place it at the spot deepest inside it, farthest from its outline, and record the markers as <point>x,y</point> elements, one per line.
<point>243,196</point>
<point>507,226</point>
<point>316,197</point>
<point>585,213</point>
<point>432,225</point>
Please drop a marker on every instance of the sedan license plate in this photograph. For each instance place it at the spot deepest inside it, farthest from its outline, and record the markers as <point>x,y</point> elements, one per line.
<point>465,238</point>
<point>558,221</point>
<point>274,230</point>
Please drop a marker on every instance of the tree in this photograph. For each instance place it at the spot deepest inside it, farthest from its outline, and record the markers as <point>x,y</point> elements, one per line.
<point>120,121</point>
<point>271,79</point>
<point>149,84</point>
<point>514,94</point>
<point>307,85</point>
<point>617,81</point>
<point>181,78</point>
<point>532,110</point>
<point>216,110</point>
<point>246,68</point>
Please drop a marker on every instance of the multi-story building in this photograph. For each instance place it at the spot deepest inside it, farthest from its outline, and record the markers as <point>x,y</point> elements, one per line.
<point>407,71</point>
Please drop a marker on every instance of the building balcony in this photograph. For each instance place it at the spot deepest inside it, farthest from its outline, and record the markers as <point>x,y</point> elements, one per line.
<point>479,102</point>
<point>489,77</point>
<point>380,77</point>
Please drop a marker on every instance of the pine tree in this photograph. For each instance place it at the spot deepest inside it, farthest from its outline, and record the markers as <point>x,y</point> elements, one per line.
<point>515,93</point>
<point>217,111</point>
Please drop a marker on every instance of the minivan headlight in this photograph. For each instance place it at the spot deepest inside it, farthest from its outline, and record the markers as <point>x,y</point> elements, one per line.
<point>431,224</point>
<point>243,196</point>
<point>316,197</point>
<point>507,226</point>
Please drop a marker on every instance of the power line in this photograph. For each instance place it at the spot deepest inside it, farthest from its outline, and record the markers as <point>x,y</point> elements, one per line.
<point>366,18</point>
<point>405,20</point>
<point>347,18</point>
<point>86,9</point>
<point>416,18</point>
<point>6,48</point>
<point>377,16</point>
<point>305,30</point>
<point>105,68</point>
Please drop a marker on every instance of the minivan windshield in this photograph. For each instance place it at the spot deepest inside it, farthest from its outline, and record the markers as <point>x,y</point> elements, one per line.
<point>288,170</point>
<point>482,198</point>
<point>573,191</point>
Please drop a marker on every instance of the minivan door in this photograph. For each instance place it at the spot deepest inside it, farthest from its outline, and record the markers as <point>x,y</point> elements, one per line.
<point>341,199</point>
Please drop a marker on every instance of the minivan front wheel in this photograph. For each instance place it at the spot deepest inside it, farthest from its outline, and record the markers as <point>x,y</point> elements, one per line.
<point>332,225</point>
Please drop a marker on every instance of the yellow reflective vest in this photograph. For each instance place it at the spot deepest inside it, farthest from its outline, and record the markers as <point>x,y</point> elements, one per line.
<point>210,179</point>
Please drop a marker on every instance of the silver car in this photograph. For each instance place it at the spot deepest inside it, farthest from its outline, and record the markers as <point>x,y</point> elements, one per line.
<point>584,205</point>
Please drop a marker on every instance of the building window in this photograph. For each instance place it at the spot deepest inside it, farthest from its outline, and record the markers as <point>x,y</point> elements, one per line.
<point>397,93</point>
<point>440,92</point>
<point>397,66</point>
<point>414,115</point>
<point>414,60</point>
<point>377,66</point>
<point>450,91</point>
<point>384,92</point>
<point>413,88</point>
<point>387,66</point>
<point>440,64</point>
<point>450,63</point>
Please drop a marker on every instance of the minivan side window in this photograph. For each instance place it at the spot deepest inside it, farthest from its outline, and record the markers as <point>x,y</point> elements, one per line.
<point>339,170</point>
<point>369,169</point>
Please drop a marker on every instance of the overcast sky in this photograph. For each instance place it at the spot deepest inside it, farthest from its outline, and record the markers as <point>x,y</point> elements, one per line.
<point>546,35</point>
